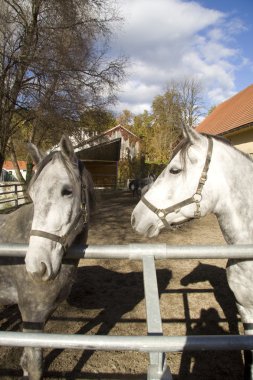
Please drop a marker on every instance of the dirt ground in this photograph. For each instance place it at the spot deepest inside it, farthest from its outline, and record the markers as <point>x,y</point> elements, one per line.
<point>108,299</point>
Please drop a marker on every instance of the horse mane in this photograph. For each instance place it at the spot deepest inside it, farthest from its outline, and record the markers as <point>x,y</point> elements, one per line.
<point>227,142</point>
<point>185,144</point>
<point>87,179</point>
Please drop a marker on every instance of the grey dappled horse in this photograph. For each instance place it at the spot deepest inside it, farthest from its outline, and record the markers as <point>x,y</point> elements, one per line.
<point>140,186</point>
<point>62,194</point>
<point>207,175</point>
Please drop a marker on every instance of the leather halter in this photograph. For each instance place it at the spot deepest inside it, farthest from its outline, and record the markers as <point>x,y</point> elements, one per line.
<point>196,198</point>
<point>77,225</point>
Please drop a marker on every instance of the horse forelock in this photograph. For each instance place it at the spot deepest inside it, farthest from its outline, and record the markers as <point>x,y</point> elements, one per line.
<point>182,149</point>
<point>50,158</point>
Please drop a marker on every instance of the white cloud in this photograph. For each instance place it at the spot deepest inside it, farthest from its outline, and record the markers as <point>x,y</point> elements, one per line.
<point>173,39</point>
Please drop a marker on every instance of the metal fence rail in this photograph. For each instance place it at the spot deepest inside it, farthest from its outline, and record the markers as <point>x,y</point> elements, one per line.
<point>127,343</point>
<point>155,343</point>
<point>138,251</point>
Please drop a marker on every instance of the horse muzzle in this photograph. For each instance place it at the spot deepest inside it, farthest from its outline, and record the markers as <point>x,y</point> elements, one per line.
<point>147,229</point>
<point>43,265</point>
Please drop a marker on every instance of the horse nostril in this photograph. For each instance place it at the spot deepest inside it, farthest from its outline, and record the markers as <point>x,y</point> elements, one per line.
<point>39,273</point>
<point>43,268</point>
<point>133,220</point>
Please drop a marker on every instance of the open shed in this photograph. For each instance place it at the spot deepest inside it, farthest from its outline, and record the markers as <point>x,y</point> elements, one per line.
<point>102,162</point>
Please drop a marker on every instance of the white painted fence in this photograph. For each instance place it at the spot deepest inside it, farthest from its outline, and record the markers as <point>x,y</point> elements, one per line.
<point>12,194</point>
<point>155,343</point>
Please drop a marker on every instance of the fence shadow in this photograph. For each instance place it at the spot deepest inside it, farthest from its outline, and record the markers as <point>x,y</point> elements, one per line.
<point>114,293</point>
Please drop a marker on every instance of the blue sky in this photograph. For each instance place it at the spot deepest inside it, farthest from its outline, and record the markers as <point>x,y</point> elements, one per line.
<point>165,40</point>
<point>243,10</point>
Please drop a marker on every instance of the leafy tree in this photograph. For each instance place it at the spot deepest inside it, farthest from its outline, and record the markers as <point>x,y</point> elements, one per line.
<point>91,122</point>
<point>97,120</point>
<point>125,118</point>
<point>143,123</point>
<point>53,64</point>
<point>160,129</point>
<point>142,127</point>
<point>167,120</point>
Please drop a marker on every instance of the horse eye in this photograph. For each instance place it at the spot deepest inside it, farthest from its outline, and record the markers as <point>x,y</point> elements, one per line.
<point>66,192</point>
<point>175,170</point>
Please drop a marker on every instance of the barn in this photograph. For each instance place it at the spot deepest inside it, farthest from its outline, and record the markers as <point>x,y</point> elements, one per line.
<point>102,154</point>
<point>233,119</point>
<point>102,162</point>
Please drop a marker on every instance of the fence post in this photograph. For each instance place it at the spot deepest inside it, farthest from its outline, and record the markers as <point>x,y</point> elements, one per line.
<point>158,369</point>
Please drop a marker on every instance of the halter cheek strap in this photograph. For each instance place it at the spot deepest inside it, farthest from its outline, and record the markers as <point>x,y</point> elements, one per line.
<point>196,198</point>
<point>77,224</point>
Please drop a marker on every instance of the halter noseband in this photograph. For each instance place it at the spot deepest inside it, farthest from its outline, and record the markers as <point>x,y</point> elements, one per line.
<point>80,220</point>
<point>196,198</point>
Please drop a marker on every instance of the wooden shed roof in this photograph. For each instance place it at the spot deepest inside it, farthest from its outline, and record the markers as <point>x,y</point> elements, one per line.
<point>234,113</point>
<point>107,151</point>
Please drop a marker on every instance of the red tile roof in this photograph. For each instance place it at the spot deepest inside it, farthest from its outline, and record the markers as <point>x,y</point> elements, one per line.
<point>233,113</point>
<point>8,165</point>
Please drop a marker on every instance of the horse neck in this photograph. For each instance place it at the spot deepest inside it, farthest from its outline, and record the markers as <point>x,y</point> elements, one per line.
<point>234,203</point>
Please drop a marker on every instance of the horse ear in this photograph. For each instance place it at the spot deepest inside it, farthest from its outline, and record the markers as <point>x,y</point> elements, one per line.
<point>34,152</point>
<point>190,134</point>
<point>67,149</point>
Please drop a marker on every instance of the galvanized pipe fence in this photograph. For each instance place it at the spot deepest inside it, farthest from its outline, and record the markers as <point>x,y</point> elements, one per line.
<point>155,343</point>
<point>138,251</point>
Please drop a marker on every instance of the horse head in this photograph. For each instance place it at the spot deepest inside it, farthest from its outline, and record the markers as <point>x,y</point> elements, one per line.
<point>59,194</point>
<point>177,195</point>
<point>200,273</point>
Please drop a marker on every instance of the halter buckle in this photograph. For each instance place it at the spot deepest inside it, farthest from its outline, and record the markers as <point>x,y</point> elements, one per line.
<point>197,213</point>
<point>84,213</point>
<point>203,178</point>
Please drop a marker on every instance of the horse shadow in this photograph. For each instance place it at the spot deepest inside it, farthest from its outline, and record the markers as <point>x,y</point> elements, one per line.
<point>217,278</point>
<point>114,293</point>
<point>212,364</point>
<point>209,365</point>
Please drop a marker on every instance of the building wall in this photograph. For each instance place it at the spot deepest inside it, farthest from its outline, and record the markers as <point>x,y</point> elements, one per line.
<point>242,140</point>
<point>13,173</point>
<point>104,173</point>
<point>130,145</point>
<point>10,171</point>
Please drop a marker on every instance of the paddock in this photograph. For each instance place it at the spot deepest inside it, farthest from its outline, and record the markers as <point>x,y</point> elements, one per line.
<point>108,299</point>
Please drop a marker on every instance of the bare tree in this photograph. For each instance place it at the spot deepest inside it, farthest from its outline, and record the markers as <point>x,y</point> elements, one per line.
<point>189,96</point>
<point>54,63</point>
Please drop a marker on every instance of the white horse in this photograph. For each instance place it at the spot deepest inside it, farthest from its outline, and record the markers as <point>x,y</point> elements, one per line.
<point>207,175</point>
<point>62,195</point>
